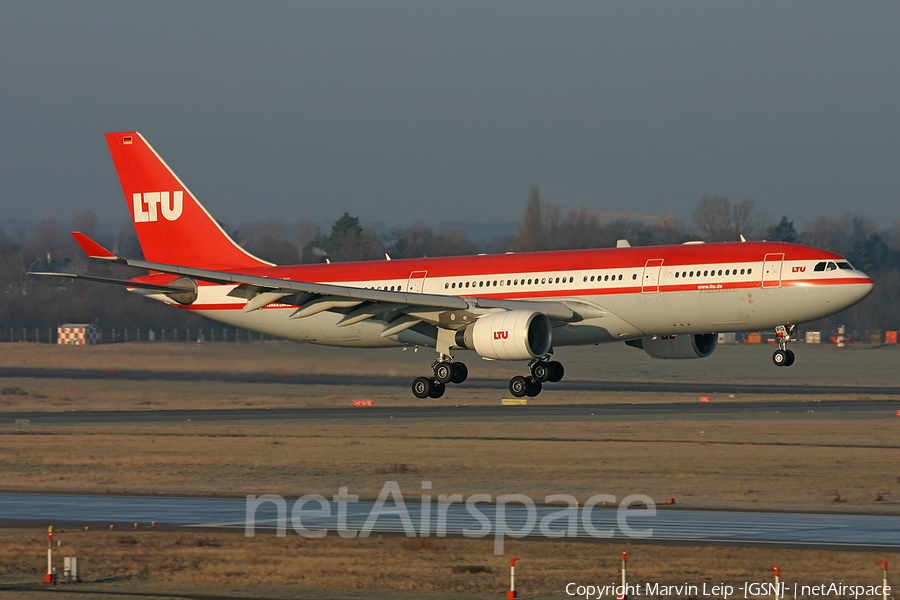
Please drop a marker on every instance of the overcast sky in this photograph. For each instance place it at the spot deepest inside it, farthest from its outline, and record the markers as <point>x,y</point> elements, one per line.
<point>449,111</point>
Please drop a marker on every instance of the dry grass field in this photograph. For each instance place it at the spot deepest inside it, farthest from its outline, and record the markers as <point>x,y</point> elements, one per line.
<point>766,460</point>
<point>296,567</point>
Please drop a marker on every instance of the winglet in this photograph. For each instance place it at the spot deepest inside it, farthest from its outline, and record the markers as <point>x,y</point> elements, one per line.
<point>92,248</point>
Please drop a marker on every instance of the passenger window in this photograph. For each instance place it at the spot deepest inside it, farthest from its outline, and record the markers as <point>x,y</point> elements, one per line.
<point>620,278</point>
<point>742,271</point>
<point>677,274</point>
<point>705,273</point>
<point>720,271</point>
<point>634,275</point>
<point>749,271</point>
<point>467,284</point>
<point>446,286</point>
<point>726,271</point>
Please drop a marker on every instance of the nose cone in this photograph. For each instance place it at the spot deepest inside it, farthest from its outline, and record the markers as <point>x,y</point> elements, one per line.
<point>863,288</point>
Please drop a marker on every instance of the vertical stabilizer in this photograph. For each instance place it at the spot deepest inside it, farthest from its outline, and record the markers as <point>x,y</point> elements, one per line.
<point>172,226</point>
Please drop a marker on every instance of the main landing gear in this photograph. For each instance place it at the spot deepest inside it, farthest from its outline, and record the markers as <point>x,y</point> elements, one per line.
<point>784,334</point>
<point>445,371</point>
<point>541,370</point>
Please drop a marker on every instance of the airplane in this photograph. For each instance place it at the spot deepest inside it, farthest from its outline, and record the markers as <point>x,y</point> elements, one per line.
<point>670,301</point>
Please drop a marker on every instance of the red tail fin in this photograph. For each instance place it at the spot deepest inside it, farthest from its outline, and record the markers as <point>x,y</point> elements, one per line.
<point>172,226</point>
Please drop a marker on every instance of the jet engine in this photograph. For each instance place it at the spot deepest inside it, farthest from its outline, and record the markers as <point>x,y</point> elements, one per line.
<point>677,346</point>
<point>509,335</point>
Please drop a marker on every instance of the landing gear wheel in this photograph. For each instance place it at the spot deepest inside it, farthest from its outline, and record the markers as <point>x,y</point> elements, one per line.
<point>790,358</point>
<point>518,386</point>
<point>556,371</point>
<point>443,372</point>
<point>460,373</point>
<point>533,387</point>
<point>540,371</point>
<point>421,387</point>
<point>781,358</point>
<point>784,334</point>
<point>437,390</point>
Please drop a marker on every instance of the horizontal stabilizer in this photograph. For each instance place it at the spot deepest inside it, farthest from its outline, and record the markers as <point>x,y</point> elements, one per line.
<point>126,282</point>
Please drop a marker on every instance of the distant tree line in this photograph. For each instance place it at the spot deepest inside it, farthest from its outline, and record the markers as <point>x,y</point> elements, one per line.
<point>43,303</point>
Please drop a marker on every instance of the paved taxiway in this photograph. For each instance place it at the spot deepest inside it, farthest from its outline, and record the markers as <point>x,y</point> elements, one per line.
<point>667,525</point>
<point>426,412</point>
<point>502,384</point>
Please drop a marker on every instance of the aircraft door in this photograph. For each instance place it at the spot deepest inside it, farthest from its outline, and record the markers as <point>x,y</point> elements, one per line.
<point>416,281</point>
<point>772,270</point>
<point>650,283</point>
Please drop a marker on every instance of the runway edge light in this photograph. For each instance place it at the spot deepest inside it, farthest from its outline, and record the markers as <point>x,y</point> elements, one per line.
<point>624,594</point>
<point>884,585</point>
<point>48,577</point>
<point>511,594</point>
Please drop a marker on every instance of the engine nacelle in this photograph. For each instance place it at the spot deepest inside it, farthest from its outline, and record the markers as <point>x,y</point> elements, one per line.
<point>508,335</point>
<point>677,346</point>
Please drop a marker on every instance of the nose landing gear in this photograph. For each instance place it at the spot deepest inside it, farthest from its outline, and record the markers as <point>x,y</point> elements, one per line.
<point>784,334</point>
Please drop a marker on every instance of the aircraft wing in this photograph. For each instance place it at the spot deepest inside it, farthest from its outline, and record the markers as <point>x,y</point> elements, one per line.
<point>316,297</point>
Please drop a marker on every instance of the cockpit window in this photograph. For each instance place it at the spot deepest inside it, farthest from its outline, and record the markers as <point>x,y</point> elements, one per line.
<point>845,265</point>
<point>830,266</point>
<point>820,267</point>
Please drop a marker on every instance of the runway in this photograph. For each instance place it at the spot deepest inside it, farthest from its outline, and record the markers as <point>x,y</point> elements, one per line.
<point>426,412</point>
<point>404,382</point>
<point>667,525</point>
